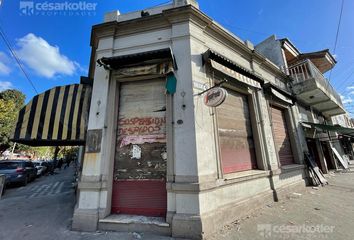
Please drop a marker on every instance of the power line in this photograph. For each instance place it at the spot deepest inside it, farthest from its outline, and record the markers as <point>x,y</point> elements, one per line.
<point>340,20</point>
<point>337,35</point>
<point>17,59</point>
<point>343,85</point>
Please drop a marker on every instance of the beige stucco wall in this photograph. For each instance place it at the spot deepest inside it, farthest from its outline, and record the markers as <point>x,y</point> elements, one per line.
<point>196,187</point>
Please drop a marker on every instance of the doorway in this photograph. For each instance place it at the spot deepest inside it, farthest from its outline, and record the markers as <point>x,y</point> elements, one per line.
<point>139,184</point>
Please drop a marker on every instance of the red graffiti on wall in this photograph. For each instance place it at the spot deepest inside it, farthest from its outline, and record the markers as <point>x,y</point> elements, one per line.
<point>141,126</point>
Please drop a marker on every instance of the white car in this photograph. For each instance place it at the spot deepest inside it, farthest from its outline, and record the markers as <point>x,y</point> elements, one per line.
<point>41,168</point>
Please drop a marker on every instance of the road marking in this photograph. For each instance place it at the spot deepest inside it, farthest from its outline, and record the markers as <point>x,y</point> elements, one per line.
<point>54,187</point>
<point>59,188</point>
<point>34,188</point>
<point>51,189</point>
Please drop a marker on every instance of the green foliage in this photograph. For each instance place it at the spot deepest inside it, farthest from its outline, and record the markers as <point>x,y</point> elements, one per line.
<point>40,152</point>
<point>68,152</point>
<point>7,119</point>
<point>11,102</point>
<point>14,95</point>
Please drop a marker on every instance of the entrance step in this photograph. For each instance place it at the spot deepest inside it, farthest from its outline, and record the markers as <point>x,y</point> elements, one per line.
<point>351,165</point>
<point>133,223</point>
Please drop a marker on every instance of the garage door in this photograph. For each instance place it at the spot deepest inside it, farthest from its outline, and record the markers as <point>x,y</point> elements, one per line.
<point>235,134</point>
<point>281,137</point>
<point>140,163</point>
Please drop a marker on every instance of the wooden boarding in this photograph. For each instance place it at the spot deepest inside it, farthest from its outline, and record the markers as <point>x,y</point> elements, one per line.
<point>341,160</point>
<point>318,176</point>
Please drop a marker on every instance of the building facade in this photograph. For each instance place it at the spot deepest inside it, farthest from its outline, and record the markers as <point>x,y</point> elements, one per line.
<point>154,149</point>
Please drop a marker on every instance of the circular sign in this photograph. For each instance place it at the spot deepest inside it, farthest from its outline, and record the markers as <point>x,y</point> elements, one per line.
<point>215,97</point>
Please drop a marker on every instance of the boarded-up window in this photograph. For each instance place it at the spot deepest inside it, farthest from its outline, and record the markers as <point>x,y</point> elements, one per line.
<point>141,131</point>
<point>235,134</point>
<point>140,162</point>
<point>281,137</point>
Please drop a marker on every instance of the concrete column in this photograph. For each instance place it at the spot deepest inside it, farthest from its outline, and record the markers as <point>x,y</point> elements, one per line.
<point>183,107</point>
<point>185,204</point>
<point>92,187</point>
<point>298,135</point>
<point>270,152</point>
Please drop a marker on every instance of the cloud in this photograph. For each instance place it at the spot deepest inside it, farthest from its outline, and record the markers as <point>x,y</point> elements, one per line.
<point>346,99</point>
<point>5,85</point>
<point>43,58</point>
<point>351,93</point>
<point>350,88</point>
<point>4,61</point>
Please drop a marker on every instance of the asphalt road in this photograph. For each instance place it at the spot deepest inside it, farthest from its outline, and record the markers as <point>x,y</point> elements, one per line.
<point>40,210</point>
<point>43,210</point>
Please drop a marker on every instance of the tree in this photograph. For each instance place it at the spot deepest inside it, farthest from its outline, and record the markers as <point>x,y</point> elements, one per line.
<point>11,101</point>
<point>7,119</point>
<point>14,95</point>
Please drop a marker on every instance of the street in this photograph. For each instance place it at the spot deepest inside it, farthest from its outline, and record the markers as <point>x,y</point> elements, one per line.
<point>40,210</point>
<point>43,210</point>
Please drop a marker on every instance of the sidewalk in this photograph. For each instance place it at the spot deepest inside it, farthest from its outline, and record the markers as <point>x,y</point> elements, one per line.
<point>323,213</point>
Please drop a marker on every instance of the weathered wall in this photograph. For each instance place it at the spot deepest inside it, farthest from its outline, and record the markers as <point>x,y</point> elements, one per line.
<point>221,196</point>
<point>271,49</point>
<point>196,187</point>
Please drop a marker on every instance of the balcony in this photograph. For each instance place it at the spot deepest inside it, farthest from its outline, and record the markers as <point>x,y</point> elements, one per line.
<point>312,88</point>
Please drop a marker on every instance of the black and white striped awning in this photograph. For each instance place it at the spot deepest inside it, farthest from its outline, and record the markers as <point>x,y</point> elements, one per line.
<point>57,117</point>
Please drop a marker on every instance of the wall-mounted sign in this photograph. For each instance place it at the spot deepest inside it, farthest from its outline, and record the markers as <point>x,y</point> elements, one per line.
<point>215,97</point>
<point>93,141</point>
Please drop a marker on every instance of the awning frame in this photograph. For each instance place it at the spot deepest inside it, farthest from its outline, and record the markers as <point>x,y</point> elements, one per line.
<point>219,58</point>
<point>332,128</point>
<point>279,94</point>
<point>141,58</point>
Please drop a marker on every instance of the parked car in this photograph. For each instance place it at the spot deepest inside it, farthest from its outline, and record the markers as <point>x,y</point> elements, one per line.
<point>50,166</point>
<point>18,171</point>
<point>41,167</point>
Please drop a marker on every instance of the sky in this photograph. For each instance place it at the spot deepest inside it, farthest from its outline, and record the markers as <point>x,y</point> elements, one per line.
<point>54,48</point>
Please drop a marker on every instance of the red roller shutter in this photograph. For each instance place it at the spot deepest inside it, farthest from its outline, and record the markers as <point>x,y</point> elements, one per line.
<point>235,134</point>
<point>139,185</point>
<point>281,137</point>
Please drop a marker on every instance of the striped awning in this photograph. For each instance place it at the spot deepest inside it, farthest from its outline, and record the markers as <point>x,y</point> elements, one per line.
<point>57,117</point>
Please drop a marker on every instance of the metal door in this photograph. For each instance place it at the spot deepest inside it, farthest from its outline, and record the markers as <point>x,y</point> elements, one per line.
<point>281,136</point>
<point>235,134</point>
<point>139,185</point>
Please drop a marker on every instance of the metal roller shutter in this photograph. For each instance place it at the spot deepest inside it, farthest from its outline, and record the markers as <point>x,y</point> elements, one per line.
<point>281,137</point>
<point>235,134</point>
<point>140,163</point>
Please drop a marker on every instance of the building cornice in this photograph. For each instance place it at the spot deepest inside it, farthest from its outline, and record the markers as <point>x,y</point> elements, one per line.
<point>182,14</point>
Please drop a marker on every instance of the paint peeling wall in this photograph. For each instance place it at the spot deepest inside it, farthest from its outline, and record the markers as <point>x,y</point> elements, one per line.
<point>141,136</point>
